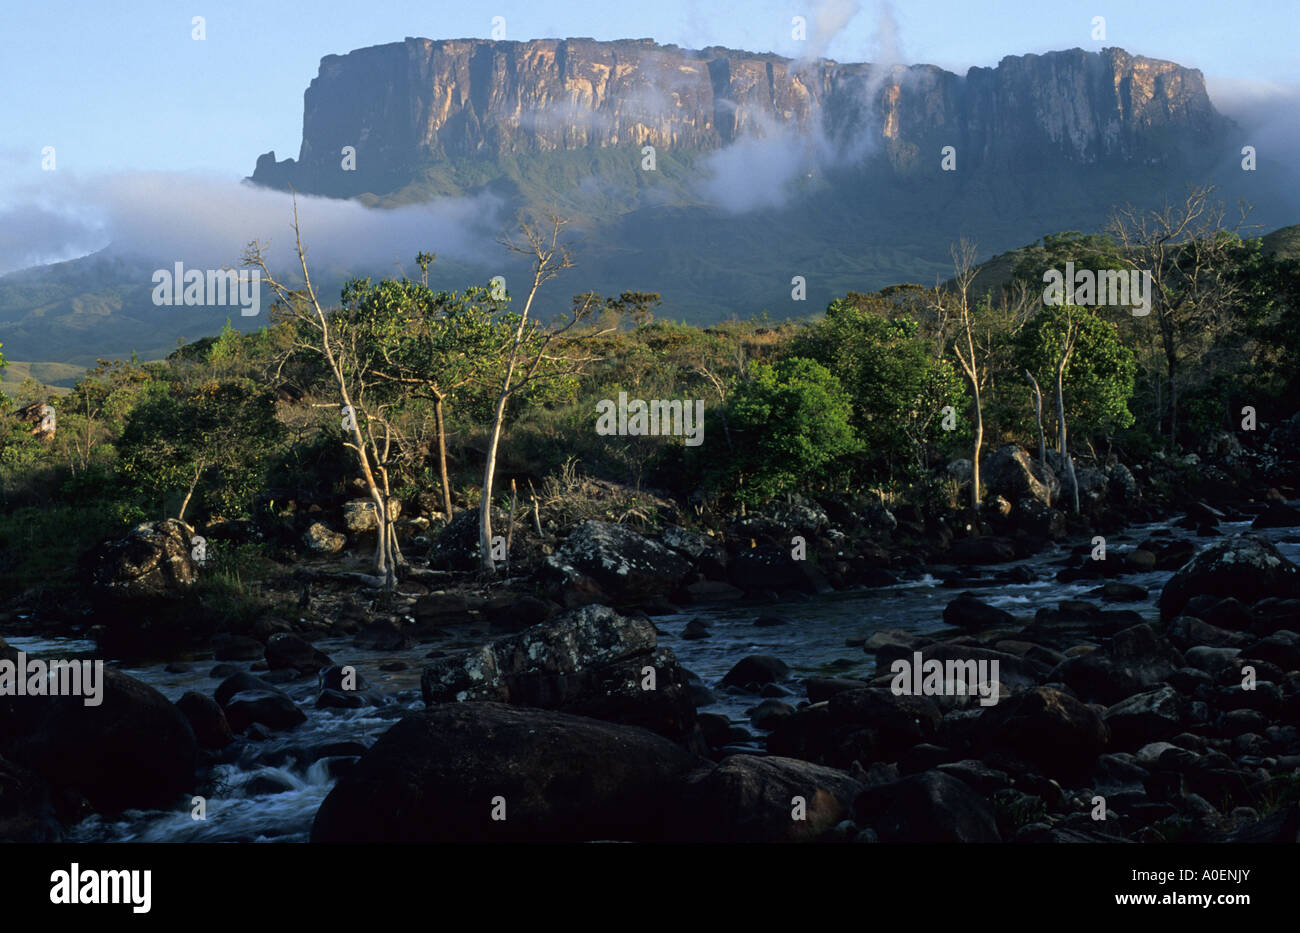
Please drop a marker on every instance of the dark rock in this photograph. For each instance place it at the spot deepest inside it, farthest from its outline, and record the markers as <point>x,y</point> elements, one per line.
<point>1277,515</point>
<point>285,650</point>
<point>756,668</point>
<point>206,720</point>
<point>768,713</point>
<point>768,568</point>
<point>1010,472</point>
<point>227,647</point>
<point>1047,728</point>
<point>435,777</point>
<point>1246,566</point>
<point>823,688</point>
<point>152,560</point>
<point>1136,658</point>
<point>266,706</point>
<point>970,613</point>
<point>927,807</point>
<point>337,699</point>
<point>982,550</point>
<point>1146,717</point>
<point>752,799</point>
<point>27,812</point>
<point>695,630</point>
<point>135,749</point>
<point>382,635</point>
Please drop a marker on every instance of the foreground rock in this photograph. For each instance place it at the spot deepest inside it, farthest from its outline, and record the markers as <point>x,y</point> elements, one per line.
<point>750,799</point>
<point>135,749</point>
<point>927,807</point>
<point>589,661</point>
<point>437,776</point>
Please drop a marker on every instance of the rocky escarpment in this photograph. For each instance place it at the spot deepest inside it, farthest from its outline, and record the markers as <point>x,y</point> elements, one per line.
<point>410,103</point>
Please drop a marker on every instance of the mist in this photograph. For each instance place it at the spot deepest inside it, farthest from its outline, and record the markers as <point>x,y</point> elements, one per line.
<point>206,221</point>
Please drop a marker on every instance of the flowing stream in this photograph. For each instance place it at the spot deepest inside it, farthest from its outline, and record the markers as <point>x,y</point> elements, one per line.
<point>269,791</point>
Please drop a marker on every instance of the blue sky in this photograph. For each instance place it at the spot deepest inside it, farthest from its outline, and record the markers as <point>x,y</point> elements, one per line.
<point>122,85</point>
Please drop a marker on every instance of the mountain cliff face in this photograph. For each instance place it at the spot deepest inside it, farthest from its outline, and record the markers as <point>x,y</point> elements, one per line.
<point>418,102</point>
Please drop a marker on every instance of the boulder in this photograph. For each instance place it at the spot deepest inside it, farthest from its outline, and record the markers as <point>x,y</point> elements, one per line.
<point>1153,716</point>
<point>752,799</point>
<point>206,720</point>
<point>153,560</point>
<point>1246,566</point>
<point>625,565</point>
<point>439,775</point>
<point>321,539</point>
<point>1136,658</point>
<point>968,612</point>
<point>134,750</point>
<point>927,807</point>
<point>1047,728</point>
<point>770,568</point>
<point>756,669</point>
<point>285,650</point>
<point>360,516</point>
<point>590,661</point>
<point>1010,472</point>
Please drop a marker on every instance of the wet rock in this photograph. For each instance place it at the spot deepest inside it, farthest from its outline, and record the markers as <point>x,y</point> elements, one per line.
<point>823,688</point>
<point>135,749</point>
<point>436,775</point>
<point>713,591</point>
<point>383,635</point>
<point>927,807</point>
<point>206,719</point>
<point>1248,567</point>
<point>1115,592</point>
<point>756,669</point>
<point>285,650</point>
<point>337,699</point>
<point>769,713</point>
<point>695,630</point>
<point>1281,648</point>
<point>267,706</point>
<point>1188,632</point>
<point>968,612</point>
<point>1277,515</point>
<point>1211,660</point>
<point>752,799</point>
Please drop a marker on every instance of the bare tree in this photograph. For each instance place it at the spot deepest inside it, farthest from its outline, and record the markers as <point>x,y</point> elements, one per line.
<point>1038,417</point>
<point>1067,350</point>
<point>964,271</point>
<point>315,334</point>
<point>1185,248</point>
<point>533,353</point>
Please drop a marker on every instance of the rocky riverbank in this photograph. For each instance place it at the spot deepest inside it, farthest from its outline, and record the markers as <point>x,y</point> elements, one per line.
<point>550,708</point>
